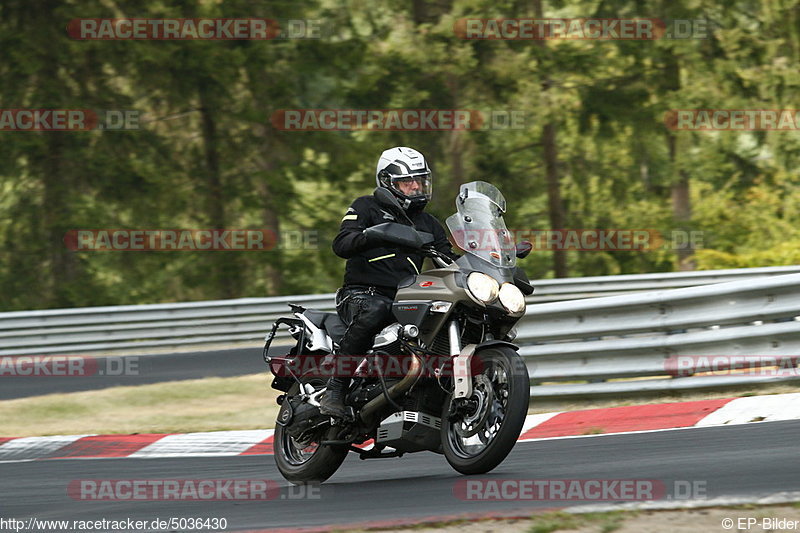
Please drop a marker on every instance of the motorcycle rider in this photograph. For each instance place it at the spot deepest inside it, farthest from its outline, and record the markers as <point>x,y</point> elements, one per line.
<point>374,269</point>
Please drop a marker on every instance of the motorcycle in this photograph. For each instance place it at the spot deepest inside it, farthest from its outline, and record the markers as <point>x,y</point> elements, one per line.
<point>458,387</point>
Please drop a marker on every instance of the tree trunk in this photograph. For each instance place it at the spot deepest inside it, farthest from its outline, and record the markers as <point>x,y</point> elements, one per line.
<point>419,11</point>
<point>270,156</point>
<point>272,223</point>
<point>679,185</point>
<point>56,216</point>
<point>681,208</point>
<point>455,148</point>
<point>58,189</point>
<point>457,175</point>
<point>225,266</point>
<point>555,204</point>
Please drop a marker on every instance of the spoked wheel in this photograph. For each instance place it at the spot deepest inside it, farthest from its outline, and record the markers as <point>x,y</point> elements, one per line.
<point>304,460</point>
<point>486,426</point>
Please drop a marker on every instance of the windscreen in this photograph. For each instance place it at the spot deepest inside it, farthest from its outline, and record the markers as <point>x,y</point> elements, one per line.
<point>478,227</point>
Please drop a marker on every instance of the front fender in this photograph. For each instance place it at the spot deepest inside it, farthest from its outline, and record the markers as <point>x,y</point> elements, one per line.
<point>496,342</point>
<point>462,366</point>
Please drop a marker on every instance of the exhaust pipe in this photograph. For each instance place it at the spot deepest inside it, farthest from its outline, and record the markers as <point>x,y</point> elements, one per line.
<point>379,402</point>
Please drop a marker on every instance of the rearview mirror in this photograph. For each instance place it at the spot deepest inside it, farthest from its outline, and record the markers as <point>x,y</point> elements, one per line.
<point>523,248</point>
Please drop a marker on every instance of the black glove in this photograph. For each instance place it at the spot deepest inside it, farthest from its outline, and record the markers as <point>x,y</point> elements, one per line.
<point>371,239</point>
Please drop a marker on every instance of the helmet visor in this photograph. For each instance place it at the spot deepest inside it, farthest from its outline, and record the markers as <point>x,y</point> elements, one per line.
<point>413,185</point>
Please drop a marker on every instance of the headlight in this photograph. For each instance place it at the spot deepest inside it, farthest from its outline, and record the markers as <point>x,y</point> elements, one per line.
<point>483,287</point>
<point>511,298</point>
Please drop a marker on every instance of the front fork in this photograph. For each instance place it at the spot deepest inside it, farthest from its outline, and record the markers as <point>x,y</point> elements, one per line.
<point>462,366</point>
<point>462,358</point>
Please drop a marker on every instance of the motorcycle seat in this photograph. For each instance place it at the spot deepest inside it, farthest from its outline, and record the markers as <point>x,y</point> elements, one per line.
<point>330,322</point>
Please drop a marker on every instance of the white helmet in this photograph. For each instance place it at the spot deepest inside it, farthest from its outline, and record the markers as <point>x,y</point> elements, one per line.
<point>406,174</point>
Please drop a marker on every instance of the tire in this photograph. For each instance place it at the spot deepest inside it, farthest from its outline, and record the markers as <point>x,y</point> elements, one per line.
<point>319,465</point>
<point>482,457</point>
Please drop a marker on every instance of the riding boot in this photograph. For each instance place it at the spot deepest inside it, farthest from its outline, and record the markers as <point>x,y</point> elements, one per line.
<point>332,402</point>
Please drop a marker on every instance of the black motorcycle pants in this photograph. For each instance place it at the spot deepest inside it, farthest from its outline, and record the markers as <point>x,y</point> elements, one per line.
<point>366,312</point>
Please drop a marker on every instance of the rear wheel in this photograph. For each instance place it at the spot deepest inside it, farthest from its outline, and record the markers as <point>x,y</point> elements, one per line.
<point>486,426</point>
<point>304,460</point>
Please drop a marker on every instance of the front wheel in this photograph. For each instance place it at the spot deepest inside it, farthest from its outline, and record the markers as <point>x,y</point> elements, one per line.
<point>479,432</point>
<point>307,461</point>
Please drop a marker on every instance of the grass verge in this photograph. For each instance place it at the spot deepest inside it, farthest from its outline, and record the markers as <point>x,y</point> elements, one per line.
<point>209,404</point>
<point>215,404</point>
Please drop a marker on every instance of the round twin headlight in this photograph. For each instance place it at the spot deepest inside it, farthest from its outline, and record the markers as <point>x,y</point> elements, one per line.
<point>483,287</point>
<point>512,298</point>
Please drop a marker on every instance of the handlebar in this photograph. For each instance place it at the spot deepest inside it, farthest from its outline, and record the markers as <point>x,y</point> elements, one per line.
<point>438,257</point>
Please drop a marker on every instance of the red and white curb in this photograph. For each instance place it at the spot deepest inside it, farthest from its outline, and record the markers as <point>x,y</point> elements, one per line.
<point>590,422</point>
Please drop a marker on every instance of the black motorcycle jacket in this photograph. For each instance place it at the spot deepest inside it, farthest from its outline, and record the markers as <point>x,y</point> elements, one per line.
<point>382,265</point>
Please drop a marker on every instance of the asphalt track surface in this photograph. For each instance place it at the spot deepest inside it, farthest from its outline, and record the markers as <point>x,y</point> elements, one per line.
<point>752,460</point>
<point>156,368</point>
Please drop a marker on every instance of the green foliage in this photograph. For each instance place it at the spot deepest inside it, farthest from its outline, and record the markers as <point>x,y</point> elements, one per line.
<point>207,154</point>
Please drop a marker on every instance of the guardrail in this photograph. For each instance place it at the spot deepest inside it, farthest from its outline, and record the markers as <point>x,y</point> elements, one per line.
<point>196,323</point>
<point>753,324</point>
<point>595,341</point>
<point>104,329</point>
<point>548,290</point>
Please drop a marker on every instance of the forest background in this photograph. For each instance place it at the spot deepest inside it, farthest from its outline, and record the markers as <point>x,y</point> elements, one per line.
<point>595,150</point>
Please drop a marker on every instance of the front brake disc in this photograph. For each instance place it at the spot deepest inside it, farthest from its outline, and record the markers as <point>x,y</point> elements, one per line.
<point>483,393</point>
